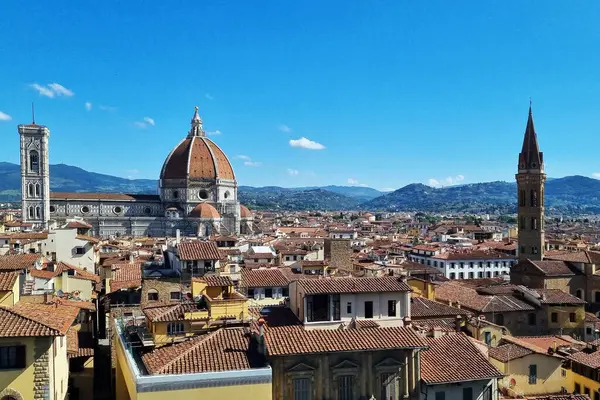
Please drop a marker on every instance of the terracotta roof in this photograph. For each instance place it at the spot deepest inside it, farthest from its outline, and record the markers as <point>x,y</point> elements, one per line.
<point>561,397</point>
<point>215,280</point>
<point>78,225</point>
<point>508,352</point>
<point>223,350</point>
<point>80,273</point>
<point>552,268</point>
<point>557,296</point>
<point>245,212</point>
<point>543,343</point>
<point>18,261</point>
<point>470,299</point>
<point>198,250</point>
<point>126,276</point>
<point>205,210</point>
<point>8,279</point>
<point>168,313</point>
<point>586,257</point>
<point>79,344</point>
<point>354,285</point>
<point>473,255</point>
<point>591,360</point>
<point>27,319</point>
<point>296,340</point>
<point>197,158</point>
<point>421,308</point>
<point>270,277</point>
<point>454,358</point>
<point>90,239</point>
<point>103,196</point>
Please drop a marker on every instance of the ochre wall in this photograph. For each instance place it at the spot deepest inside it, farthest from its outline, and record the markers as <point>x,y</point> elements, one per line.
<point>549,376</point>
<point>20,380</point>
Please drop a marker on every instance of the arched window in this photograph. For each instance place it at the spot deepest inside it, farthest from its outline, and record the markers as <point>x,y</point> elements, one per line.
<point>37,190</point>
<point>522,198</point>
<point>579,294</point>
<point>30,189</point>
<point>34,161</point>
<point>152,295</point>
<point>30,212</point>
<point>38,212</point>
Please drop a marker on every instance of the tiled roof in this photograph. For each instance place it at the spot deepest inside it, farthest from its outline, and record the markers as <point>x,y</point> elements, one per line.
<point>27,319</point>
<point>80,273</point>
<point>354,285</point>
<point>8,279</point>
<point>245,212</point>
<point>591,360</point>
<point>205,210</point>
<point>543,343</point>
<point>424,308</point>
<point>198,250</point>
<point>586,257</point>
<point>126,276</point>
<point>508,352</point>
<point>468,298</point>
<point>557,296</point>
<point>287,341</point>
<point>270,277</point>
<point>78,225</point>
<point>168,313</point>
<point>18,261</point>
<point>216,280</point>
<point>102,196</point>
<point>454,358</point>
<point>561,397</point>
<point>552,268</point>
<point>223,350</point>
<point>90,239</point>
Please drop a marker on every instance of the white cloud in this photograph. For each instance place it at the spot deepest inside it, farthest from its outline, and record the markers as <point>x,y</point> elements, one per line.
<point>595,174</point>
<point>4,116</point>
<point>448,181</point>
<point>352,181</point>
<point>293,172</point>
<point>211,133</point>
<point>305,143</point>
<point>52,90</point>
<point>209,96</point>
<point>252,163</point>
<point>149,121</point>
<point>88,106</point>
<point>433,182</point>
<point>107,108</point>
<point>242,157</point>
<point>284,128</point>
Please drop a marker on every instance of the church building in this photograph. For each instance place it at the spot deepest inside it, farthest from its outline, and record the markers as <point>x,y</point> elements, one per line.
<point>197,193</point>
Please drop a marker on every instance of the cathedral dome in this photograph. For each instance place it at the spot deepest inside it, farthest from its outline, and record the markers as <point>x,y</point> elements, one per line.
<point>205,210</point>
<point>245,212</point>
<point>197,158</point>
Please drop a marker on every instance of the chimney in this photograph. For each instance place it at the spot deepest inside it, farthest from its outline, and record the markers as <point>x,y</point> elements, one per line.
<point>177,236</point>
<point>257,348</point>
<point>458,323</point>
<point>131,257</point>
<point>407,321</point>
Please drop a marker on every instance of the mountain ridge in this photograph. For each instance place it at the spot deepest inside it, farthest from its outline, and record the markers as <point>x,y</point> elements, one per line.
<point>577,194</point>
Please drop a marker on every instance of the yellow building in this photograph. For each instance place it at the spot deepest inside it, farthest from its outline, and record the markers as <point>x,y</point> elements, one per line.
<point>528,368</point>
<point>217,365</point>
<point>214,304</point>
<point>9,288</point>
<point>33,351</point>
<point>421,288</point>
<point>585,373</point>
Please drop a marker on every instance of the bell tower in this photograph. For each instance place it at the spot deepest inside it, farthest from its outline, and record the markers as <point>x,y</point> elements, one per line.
<point>530,187</point>
<point>35,174</point>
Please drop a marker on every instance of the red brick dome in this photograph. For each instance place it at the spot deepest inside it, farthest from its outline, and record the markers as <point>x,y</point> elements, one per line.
<point>205,210</point>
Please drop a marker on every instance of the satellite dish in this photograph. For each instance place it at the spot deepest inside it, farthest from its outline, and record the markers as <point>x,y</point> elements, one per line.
<point>59,292</point>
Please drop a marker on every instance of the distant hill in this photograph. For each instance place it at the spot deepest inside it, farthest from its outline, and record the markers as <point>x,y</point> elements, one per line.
<point>571,194</point>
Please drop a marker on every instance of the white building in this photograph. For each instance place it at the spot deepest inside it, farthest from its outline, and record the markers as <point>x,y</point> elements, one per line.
<point>65,245</point>
<point>330,302</point>
<point>464,264</point>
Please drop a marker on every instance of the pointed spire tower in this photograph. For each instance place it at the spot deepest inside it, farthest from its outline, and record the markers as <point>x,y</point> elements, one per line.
<point>196,125</point>
<point>530,182</point>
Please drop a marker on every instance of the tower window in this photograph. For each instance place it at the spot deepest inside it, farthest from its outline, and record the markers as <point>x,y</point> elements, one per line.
<point>37,190</point>
<point>534,198</point>
<point>534,224</point>
<point>522,224</point>
<point>534,250</point>
<point>30,212</point>
<point>175,194</point>
<point>30,189</point>
<point>521,198</point>
<point>37,212</point>
<point>34,161</point>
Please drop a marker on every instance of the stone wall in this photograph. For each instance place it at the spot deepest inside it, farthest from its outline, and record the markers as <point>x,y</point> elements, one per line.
<point>164,287</point>
<point>339,253</point>
<point>41,369</point>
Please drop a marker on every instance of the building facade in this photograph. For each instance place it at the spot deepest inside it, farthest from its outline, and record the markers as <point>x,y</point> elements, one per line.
<point>197,193</point>
<point>530,185</point>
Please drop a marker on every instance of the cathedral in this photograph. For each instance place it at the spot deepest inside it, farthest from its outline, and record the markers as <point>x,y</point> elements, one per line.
<point>197,193</point>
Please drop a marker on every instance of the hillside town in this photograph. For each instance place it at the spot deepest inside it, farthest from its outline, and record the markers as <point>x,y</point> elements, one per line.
<point>190,294</point>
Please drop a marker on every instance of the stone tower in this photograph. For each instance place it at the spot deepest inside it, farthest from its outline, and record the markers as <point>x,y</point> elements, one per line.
<point>35,174</point>
<point>530,184</point>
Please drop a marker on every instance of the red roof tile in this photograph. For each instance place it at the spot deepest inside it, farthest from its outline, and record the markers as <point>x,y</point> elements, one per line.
<point>270,277</point>
<point>454,358</point>
<point>18,261</point>
<point>8,279</point>
<point>198,250</point>
<point>353,285</point>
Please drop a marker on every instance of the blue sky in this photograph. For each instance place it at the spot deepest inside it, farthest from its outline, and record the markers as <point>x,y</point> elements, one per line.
<point>389,92</point>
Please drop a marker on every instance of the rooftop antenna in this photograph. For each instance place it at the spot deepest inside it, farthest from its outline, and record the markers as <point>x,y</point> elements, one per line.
<point>33,113</point>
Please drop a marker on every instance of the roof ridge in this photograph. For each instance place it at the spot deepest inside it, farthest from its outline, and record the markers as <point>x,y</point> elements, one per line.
<point>188,351</point>
<point>15,312</point>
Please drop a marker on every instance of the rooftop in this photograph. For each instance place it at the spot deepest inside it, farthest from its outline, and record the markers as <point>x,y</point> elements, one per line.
<point>198,250</point>
<point>353,285</point>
